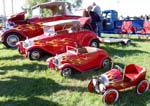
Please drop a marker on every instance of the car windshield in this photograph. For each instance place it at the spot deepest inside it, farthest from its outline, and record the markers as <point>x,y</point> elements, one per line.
<point>41,12</point>
<point>61,27</point>
<point>36,12</point>
<point>51,9</point>
<point>49,30</point>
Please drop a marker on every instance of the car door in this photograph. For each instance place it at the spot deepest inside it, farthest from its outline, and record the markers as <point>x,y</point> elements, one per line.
<point>88,61</point>
<point>60,42</point>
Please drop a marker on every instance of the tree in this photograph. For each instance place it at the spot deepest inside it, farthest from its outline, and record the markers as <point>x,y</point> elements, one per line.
<point>31,3</point>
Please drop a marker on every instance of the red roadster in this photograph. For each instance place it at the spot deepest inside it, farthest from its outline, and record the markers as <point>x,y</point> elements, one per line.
<point>117,80</point>
<point>57,35</point>
<point>79,59</point>
<point>18,28</point>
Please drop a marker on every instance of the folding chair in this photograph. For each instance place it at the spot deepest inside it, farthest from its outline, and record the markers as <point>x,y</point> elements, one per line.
<point>127,28</point>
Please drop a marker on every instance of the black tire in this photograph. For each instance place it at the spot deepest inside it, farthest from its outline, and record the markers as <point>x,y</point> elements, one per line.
<point>128,43</point>
<point>11,39</point>
<point>66,72</point>
<point>106,63</point>
<point>34,54</point>
<point>94,43</point>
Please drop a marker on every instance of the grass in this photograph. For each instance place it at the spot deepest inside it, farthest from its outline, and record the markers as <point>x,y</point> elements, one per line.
<point>31,83</point>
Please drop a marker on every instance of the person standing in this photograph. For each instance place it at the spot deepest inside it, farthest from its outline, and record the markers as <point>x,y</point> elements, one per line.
<point>93,20</point>
<point>97,10</point>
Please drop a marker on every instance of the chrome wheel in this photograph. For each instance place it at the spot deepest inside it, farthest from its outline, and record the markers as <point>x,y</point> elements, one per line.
<point>110,96</point>
<point>11,40</point>
<point>142,87</point>
<point>34,54</point>
<point>94,43</point>
<point>66,72</point>
<point>106,63</point>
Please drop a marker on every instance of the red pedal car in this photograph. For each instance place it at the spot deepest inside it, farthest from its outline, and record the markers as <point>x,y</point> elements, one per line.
<point>79,59</point>
<point>112,82</point>
<point>57,35</point>
<point>19,28</point>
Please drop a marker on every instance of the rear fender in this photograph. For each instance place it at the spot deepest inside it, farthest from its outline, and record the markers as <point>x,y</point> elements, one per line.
<point>42,49</point>
<point>106,57</point>
<point>89,37</point>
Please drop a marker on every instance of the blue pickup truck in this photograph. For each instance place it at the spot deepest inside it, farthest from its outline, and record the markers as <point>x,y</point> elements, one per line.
<point>111,23</point>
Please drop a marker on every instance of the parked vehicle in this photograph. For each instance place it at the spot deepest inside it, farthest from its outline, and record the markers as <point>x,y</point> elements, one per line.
<point>117,79</point>
<point>80,59</point>
<point>112,23</point>
<point>18,28</point>
<point>57,35</point>
<point>110,40</point>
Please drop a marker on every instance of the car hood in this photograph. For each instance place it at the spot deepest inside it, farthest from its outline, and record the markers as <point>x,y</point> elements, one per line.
<point>113,75</point>
<point>39,38</point>
<point>17,17</point>
<point>27,26</point>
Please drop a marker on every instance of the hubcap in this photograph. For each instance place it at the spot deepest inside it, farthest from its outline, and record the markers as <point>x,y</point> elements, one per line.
<point>12,40</point>
<point>66,72</point>
<point>106,63</point>
<point>94,44</point>
<point>143,87</point>
<point>35,55</point>
<point>110,96</point>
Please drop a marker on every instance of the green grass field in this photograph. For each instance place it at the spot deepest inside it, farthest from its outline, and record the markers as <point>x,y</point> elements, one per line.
<point>31,83</point>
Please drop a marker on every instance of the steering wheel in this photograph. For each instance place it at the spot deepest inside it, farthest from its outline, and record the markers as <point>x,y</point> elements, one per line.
<point>119,68</point>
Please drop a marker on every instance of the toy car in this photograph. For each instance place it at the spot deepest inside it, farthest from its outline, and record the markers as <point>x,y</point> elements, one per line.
<point>80,59</point>
<point>117,40</point>
<point>117,79</point>
<point>18,28</point>
<point>55,41</point>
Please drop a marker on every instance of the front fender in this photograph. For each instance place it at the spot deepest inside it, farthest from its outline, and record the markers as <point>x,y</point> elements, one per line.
<point>64,65</point>
<point>12,31</point>
<point>40,48</point>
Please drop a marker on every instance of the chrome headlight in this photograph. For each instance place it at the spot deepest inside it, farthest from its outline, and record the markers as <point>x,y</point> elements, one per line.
<point>27,43</point>
<point>57,60</point>
<point>104,79</point>
<point>9,25</point>
<point>1,33</point>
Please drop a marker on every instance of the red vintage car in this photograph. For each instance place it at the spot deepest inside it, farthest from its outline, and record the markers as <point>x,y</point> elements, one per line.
<point>57,35</point>
<point>117,79</point>
<point>80,59</point>
<point>18,28</point>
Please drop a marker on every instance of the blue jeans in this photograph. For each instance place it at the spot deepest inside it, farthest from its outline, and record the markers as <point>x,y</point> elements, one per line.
<point>99,27</point>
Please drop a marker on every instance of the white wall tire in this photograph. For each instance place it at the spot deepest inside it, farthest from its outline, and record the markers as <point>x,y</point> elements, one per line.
<point>110,96</point>
<point>11,39</point>
<point>34,54</point>
<point>142,87</point>
<point>66,72</point>
<point>94,43</point>
<point>106,63</point>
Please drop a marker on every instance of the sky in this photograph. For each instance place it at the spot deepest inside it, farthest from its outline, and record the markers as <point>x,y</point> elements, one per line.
<point>8,6</point>
<point>124,7</point>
